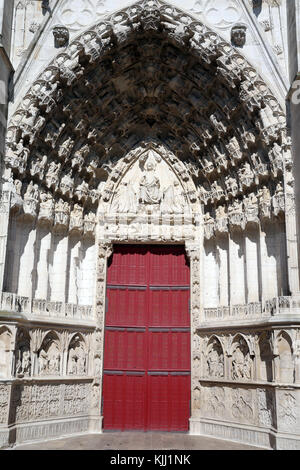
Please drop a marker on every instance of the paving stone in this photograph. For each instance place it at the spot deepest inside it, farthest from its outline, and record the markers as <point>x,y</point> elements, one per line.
<point>137,441</point>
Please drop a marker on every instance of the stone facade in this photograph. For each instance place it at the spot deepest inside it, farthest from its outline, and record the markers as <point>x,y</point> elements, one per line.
<point>144,123</point>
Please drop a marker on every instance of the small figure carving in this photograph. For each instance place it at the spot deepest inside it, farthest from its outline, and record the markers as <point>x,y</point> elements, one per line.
<point>278,200</point>
<point>215,360</point>
<point>241,361</point>
<point>173,200</point>
<point>66,148</point>
<point>238,35</point>
<point>23,367</point>
<point>125,200</point>
<point>150,186</point>
<point>61,36</point>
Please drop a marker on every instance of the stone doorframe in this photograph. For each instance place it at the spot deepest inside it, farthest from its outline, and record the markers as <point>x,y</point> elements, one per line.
<point>105,250</point>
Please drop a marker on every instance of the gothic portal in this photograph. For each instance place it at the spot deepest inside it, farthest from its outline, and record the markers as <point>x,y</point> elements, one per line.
<point>148,253</point>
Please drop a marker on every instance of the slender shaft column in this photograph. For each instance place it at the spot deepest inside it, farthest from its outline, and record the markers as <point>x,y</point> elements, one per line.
<point>42,268</point>
<point>104,252</point>
<point>27,259</point>
<point>73,268</point>
<point>210,274</point>
<point>87,255</point>
<point>4,223</point>
<point>292,249</point>
<point>252,257</point>
<point>283,259</point>
<point>291,224</point>
<point>222,244</point>
<point>193,251</point>
<point>60,257</point>
<point>237,268</point>
<point>268,260</point>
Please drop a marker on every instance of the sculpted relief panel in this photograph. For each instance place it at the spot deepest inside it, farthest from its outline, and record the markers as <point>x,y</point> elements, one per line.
<point>40,401</point>
<point>77,357</point>
<point>148,196</point>
<point>150,186</point>
<point>49,356</point>
<point>241,360</point>
<point>215,359</point>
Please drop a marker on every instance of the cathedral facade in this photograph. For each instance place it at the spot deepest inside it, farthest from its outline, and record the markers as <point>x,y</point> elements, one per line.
<point>149,254</point>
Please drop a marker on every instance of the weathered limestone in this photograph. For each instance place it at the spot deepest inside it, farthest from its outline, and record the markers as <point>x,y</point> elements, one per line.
<point>149,127</point>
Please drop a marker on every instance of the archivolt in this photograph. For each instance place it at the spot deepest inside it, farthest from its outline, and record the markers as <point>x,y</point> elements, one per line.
<point>149,71</point>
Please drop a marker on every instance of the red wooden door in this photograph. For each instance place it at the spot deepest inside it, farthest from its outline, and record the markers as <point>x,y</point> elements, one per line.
<point>146,380</point>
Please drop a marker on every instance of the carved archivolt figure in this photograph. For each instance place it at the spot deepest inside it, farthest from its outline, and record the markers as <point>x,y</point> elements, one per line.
<point>38,167</point>
<point>220,212</point>
<point>32,192</point>
<point>265,196</point>
<point>231,185</point>
<point>46,205</point>
<point>278,199</point>
<point>18,187</point>
<point>76,220</point>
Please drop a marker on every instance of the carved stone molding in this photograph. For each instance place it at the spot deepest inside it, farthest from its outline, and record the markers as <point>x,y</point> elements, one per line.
<point>207,149</point>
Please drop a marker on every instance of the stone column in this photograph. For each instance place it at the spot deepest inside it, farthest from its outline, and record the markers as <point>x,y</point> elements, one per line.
<point>72,288</point>
<point>291,227</point>
<point>297,361</point>
<point>42,267</point>
<point>64,341</point>
<point>27,255</point>
<point>60,245</point>
<point>36,339</point>
<point>237,267</point>
<point>105,250</point>
<point>222,246</point>
<point>194,254</point>
<point>266,293</point>
<point>197,315</point>
<point>252,257</point>
<point>4,223</point>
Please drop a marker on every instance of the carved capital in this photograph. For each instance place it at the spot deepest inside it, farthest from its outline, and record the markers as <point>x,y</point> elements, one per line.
<point>192,251</point>
<point>105,250</point>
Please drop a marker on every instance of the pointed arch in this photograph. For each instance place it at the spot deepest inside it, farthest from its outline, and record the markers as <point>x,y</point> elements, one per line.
<point>149,70</point>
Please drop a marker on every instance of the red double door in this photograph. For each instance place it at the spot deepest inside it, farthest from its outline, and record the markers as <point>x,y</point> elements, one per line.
<point>146,380</point>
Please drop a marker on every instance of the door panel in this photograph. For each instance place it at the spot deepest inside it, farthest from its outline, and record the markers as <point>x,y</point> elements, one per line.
<point>170,350</point>
<point>146,380</point>
<point>126,306</point>
<point>125,350</point>
<point>169,307</point>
